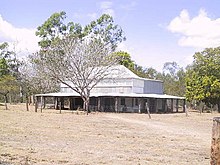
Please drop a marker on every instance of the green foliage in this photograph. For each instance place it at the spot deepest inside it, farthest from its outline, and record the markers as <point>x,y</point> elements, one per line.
<point>203,77</point>
<point>8,63</point>
<point>4,54</point>
<point>8,84</point>
<point>125,59</point>
<point>102,29</point>
<point>151,73</point>
<point>4,68</point>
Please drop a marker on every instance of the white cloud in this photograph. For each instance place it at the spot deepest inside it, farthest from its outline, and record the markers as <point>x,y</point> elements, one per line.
<point>198,32</point>
<point>78,15</point>
<point>129,6</point>
<point>106,7</point>
<point>92,16</point>
<point>24,39</point>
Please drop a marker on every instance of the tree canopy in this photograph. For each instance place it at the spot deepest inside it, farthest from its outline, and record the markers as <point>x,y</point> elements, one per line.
<point>4,59</point>
<point>54,28</point>
<point>203,77</point>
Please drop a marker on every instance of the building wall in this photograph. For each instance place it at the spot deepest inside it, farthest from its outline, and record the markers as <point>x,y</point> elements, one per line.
<point>113,86</point>
<point>115,82</point>
<point>124,85</point>
<point>153,87</point>
<point>110,89</point>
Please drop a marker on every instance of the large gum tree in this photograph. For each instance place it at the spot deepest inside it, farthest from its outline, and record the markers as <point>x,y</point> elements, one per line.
<point>203,77</point>
<point>79,57</point>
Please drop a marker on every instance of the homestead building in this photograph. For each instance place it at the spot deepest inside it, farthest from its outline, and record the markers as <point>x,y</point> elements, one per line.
<point>120,91</point>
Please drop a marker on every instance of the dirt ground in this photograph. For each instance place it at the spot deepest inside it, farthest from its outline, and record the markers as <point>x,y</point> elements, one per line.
<point>103,138</point>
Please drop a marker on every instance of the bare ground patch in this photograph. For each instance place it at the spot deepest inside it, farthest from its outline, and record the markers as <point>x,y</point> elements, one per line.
<point>103,138</point>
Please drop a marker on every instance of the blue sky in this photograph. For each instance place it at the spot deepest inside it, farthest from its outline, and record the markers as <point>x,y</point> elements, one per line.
<point>157,31</point>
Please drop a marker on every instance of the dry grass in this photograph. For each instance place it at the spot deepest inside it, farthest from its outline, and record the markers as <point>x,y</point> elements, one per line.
<point>103,138</point>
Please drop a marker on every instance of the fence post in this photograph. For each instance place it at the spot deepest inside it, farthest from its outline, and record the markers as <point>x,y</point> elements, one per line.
<point>215,146</point>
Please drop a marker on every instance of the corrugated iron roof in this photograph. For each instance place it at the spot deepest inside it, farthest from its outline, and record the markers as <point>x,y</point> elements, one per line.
<point>159,96</point>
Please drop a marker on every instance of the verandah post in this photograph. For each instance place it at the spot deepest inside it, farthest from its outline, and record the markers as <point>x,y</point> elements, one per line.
<point>116,104</point>
<point>184,107</point>
<point>139,105</point>
<point>99,104</point>
<point>177,105</point>
<point>41,103</point>
<point>60,104</point>
<point>36,103</point>
<point>171,106</point>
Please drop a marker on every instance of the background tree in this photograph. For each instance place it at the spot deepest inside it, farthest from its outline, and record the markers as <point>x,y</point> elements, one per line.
<point>4,59</point>
<point>77,56</point>
<point>125,59</point>
<point>33,81</point>
<point>151,73</point>
<point>203,77</point>
<point>173,77</point>
<point>8,81</point>
<point>8,84</point>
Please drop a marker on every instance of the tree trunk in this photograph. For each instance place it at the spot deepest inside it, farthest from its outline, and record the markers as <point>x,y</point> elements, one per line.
<point>36,103</point>
<point>6,100</point>
<point>86,104</point>
<point>60,104</point>
<point>218,107</point>
<point>27,102</point>
<point>186,111</point>
<point>10,99</point>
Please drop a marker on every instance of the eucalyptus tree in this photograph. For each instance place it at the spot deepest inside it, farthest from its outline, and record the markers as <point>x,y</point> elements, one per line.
<point>77,56</point>
<point>8,79</point>
<point>79,64</point>
<point>8,84</point>
<point>203,77</point>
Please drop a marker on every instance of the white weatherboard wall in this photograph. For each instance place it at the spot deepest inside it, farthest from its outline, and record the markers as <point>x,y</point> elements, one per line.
<point>138,86</point>
<point>113,86</point>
